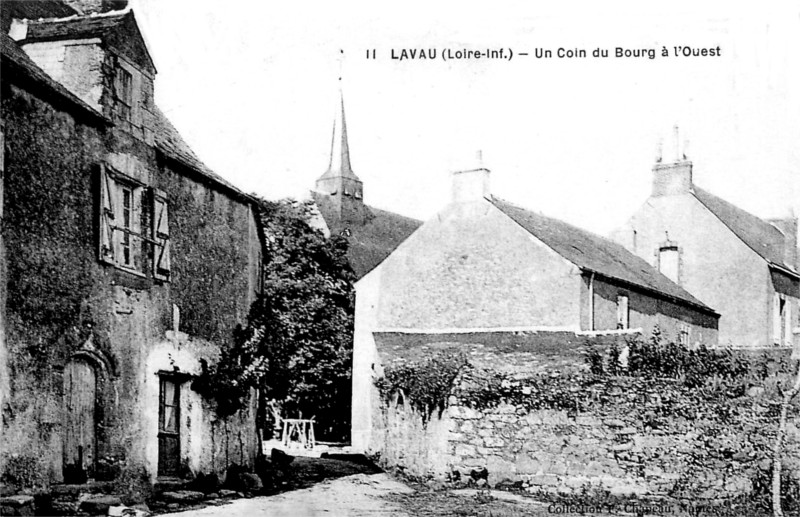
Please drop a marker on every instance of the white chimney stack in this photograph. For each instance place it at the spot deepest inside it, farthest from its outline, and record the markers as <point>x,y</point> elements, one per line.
<point>18,30</point>
<point>471,185</point>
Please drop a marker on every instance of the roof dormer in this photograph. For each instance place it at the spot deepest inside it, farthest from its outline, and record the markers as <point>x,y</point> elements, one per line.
<point>101,58</point>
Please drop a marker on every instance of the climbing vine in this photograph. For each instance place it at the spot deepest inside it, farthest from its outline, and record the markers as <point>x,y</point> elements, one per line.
<point>426,383</point>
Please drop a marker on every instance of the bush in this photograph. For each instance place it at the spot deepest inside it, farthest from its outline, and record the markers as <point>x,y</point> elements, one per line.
<point>24,471</point>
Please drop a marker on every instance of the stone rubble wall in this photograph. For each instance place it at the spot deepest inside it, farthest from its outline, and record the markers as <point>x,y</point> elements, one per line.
<point>551,451</point>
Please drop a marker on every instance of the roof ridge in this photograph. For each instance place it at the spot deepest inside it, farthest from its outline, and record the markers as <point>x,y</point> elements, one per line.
<point>593,252</point>
<point>75,17</point>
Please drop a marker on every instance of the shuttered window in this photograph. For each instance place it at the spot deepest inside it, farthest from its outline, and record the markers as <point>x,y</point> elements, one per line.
<point>130,218</point>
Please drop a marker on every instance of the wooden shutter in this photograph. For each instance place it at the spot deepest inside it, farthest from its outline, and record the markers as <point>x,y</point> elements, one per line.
<point>106,207</point>
<point>161,260</point>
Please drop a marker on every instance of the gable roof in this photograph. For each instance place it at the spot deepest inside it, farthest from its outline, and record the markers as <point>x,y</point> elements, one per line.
<point>759,235</point>
<point>14,56</point>
<point>372,236</point>
<point>597,254</point>
<point>105,26</point>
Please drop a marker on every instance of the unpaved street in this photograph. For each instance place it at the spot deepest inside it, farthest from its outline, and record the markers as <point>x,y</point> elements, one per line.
<point>356,495</point>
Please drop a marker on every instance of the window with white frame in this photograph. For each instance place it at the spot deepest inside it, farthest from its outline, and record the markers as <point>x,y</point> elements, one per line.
<point>131,218</point>
<point>622,312</point>
<point>685,335</point>
<point>781,321</point>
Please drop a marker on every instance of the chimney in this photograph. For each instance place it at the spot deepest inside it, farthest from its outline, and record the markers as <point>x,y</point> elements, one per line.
<point>672,173</point>
<point>471,184</point>
<point>788,226</point>
<point>85,7</point>
<point>18,30</point>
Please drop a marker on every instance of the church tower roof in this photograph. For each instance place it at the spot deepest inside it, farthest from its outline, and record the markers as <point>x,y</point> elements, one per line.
<point>340,149</point>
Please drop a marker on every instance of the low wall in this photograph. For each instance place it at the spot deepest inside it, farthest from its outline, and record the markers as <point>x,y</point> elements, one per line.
<point>622,435</point>
<point>554,451</point>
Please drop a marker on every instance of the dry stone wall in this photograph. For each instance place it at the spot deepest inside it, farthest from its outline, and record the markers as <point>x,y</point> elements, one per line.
<point>624,436</point>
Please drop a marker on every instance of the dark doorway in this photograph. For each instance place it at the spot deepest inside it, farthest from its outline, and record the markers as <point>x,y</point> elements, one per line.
<point>169,427</point>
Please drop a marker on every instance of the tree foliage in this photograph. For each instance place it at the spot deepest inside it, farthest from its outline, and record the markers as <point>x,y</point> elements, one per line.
<point>297,346</point>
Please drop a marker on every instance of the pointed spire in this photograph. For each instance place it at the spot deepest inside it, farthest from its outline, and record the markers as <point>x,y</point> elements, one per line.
<point>340,149</point>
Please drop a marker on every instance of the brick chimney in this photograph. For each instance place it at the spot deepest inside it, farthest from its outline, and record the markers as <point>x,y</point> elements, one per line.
<point>672,173</point>
<point>96,6</point>
<point>788,226</point>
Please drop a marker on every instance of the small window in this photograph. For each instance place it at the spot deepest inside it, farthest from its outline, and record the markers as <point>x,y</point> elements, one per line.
<point>124,92</point>
<point>782,331</point>
<point>622,312</point>
<point>669,262</point>
<point>685,335</point>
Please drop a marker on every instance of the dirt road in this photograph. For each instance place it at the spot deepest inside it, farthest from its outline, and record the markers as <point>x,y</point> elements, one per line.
<point>357,495</point>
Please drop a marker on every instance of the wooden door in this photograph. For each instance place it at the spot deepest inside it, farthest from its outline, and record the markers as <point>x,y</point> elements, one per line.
<point>80,387</point>
<point>169,428</point>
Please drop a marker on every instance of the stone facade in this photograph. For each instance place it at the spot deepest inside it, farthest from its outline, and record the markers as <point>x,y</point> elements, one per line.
<point>615,445</point>
<point>125,264</point>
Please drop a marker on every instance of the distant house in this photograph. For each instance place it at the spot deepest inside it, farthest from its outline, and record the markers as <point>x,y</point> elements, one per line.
<point>124,261</point>
<point>372,233</point>
<point>483,265</point>
<point>743,266</point>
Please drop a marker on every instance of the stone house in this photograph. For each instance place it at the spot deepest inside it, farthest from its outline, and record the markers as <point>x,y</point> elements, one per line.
<point>338,198</point>
<point>125,261</point>
<point>482,265</point>
<point>743,266</point>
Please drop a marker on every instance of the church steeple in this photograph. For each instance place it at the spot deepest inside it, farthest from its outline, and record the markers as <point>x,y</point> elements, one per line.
<point>340,180</point>
<point>340,149</point>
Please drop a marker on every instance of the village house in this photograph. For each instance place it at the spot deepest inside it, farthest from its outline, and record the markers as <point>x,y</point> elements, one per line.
<point>743,266</point>
<point>125,261</point>
<point>484,267</point>
<point>338,197</point>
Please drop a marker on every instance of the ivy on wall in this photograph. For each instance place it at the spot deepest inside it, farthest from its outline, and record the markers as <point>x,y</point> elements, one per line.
<point>427,383</point>
<point>671,380</point>
<point>48,223</point>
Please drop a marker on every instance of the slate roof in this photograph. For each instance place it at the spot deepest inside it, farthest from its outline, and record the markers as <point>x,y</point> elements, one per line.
<point>531,352</point>
<point>110,26</point>
<point>32,10</point>
<point>16,57</point>
<point>372,236</point>
<point>172,144</point>
<point>761,236</point>
<point>167,138</point>
<point>78,27</point>
<point>597,254</point>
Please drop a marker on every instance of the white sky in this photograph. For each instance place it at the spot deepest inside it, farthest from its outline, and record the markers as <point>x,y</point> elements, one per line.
<point>252,85</point>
